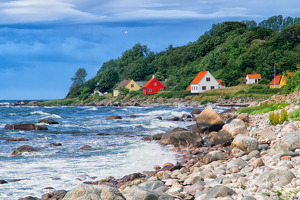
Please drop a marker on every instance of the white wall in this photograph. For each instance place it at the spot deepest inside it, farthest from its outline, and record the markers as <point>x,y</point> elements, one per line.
<point>197,88</point>
<point>251,81</point>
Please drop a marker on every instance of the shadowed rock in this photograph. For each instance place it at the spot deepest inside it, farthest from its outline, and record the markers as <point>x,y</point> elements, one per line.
<point>16,140</point>
<point>25,127</point>
<point>23,149</point>
<point>48,121</point>
<point>114,117</point>
<point>209,120</point>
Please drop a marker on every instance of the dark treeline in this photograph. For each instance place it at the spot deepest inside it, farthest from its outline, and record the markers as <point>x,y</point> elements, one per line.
<point>229,50</point>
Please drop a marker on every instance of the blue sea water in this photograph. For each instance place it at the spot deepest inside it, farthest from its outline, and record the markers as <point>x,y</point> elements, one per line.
<point>66,166</point>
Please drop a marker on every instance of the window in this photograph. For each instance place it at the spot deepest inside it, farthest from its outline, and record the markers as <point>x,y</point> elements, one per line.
<point>160,89</point>
<point>154,83</point>
<point>132,85</point>
<point>203,87</point>
<point>212,87</point>
<point>149,90</point>
<point>207,78</point>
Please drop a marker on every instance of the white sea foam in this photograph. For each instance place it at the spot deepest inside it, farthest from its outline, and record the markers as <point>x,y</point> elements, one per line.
<point>47,115</point>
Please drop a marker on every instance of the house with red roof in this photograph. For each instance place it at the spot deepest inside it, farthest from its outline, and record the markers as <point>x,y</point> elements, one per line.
<point>153,86</point>
<point>202,82</point>
<point>222,83</point>
<point>253,78</point>
<point>280,80</point>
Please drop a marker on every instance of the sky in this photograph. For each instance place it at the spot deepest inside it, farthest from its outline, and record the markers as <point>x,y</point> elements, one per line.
<point>43,43</point>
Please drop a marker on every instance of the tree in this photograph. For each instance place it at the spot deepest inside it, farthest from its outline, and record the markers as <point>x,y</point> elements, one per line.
<point>108,80</point>
<point>79,78</point>
<point>124,91</point>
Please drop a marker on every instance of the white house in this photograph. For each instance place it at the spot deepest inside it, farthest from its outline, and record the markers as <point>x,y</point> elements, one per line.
<point>253,78</point>
<point>202,82</point>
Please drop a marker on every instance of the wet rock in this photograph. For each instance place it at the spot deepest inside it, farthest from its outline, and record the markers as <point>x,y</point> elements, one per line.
<point>209,120</point>
<point>219,191</point>
<point>16,140</point>
<point>29,198</point>
<point>114,117</point>
<point>132,116</point>
<point>245,143</point>
<point>244,117</point>
<point>196,112</point>
<point>94,192</point>
<point>186,116</point>
<point>86,147</point>
<point>213,156</point>
<point>175,119</point>
<point>131,177</point>
<point>25,127</point>
<point>54,145</point>
<point>3,182</point>
<point>103,134</point>
<point>185,139</point>
<point>23,149</point>
<point>154,137</point>
<point>48,121</point>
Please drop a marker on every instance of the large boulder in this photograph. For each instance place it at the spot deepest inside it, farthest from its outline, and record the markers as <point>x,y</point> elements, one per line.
<point>209,120</point>
<point>221,138</point>
<point>48,121</point>
<point>94,192</point>
<point>23,149</point>
<point>24,127</point>
<point>286,144</point>
<point>114,117</point>
<point>219,191</point>
<point>213,156</point>
<point>245,143</point>
<point>236,126</point>
<point>279,177</point>
<point>185,139</point>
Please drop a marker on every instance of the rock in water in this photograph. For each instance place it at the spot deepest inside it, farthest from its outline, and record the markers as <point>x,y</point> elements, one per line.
<point>25,127</point>
<point>114,117</point>
<point>185,138</point>
<point>209,120</point>
<point>23,149</point>
<point>48,121</point>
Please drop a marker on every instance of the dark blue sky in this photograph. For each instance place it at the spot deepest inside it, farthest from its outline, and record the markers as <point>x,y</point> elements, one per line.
<point>42,44</point>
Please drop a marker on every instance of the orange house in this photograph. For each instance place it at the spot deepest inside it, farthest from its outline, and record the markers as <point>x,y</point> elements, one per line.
<point>279,80</point>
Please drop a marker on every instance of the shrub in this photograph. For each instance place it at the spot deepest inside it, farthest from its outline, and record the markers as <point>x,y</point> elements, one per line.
<point>295,115</point>
<point>278,118</point>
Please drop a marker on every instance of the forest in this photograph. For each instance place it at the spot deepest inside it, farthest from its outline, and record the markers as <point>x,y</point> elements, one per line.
<point>229,50</point>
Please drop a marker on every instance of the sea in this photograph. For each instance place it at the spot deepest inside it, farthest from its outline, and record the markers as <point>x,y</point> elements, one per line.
<point>117,151</point>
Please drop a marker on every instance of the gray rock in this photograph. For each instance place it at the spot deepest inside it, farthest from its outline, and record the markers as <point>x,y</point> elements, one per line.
<point>248,198</point>
<point>287,143</point>
<point>219,191</point>
<point>213,156</point>
<point>23,149</point>
<point>245,143</point>
<point>240,163</point>
<point>94,192</point>
<point>280,177</point>
<point>235,127</point>
<point>254,153</point>
<point>152,185</point>
<point>25,127</point>
<point>209,120</point>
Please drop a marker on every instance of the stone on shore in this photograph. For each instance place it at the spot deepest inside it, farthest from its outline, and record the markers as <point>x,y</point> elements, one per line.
<point>48,121</point>
<point>236,126</point>
<point>287,143</point>
<point>221,138</point>
<point>219,191</point>
<point>196,112</point>
<point>209,120</point>
<point>23,149</point>
<point>245,143</point>
<point>94,192</point>
<point>29,198</point>
<point>213,156</point>
<point>279,177</point>
<point>185,139</point>
<point>24,127</point>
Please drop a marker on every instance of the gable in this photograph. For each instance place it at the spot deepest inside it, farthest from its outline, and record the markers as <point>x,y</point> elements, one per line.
<point>150,83</point>
<point>199,77</point>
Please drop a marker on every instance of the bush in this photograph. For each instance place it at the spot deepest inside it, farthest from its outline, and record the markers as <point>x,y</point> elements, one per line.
<point>278,118</point>
<point>173,94</point>
<point>295,115</point>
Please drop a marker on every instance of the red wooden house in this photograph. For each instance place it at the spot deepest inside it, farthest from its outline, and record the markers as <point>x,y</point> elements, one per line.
<point>153,86</point>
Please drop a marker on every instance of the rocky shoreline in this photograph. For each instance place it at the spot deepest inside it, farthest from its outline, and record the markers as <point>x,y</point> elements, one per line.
<point>226,156</point>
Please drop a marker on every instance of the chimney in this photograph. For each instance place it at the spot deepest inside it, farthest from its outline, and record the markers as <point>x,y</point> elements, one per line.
<point>152,76</point>
<point>204,69</point>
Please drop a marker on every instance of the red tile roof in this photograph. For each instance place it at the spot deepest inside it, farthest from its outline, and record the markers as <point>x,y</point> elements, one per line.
<point>221,82</point>
<point>188,88</point>
<point>276,81</point>
<point>199,77</point>
<point>254,76</point>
